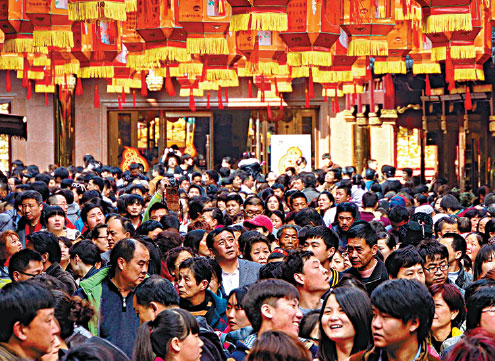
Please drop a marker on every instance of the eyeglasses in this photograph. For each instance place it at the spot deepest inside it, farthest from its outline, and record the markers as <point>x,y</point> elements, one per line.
<point>31,274</point>
<point>489,310</point>
<point>433,269</point>
<point>253,213</point>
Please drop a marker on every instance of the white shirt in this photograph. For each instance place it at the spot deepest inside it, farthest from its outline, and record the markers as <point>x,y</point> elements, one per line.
<point>230,281</point>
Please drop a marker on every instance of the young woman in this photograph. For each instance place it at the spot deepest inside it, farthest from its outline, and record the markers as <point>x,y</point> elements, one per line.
<point>278,218</point>
<point>474,242</point>
<point>340,260</point>
<point>325,201</point>
<point>173,336</point>
<point>196,240</point>
<point>273,203</point>
<point>449,315</point>
<point>240,327</point>
<point>65,244</point>
<point>484,262</point>
<point>9,244</point>
<point>278,346</point>
<point>345,324</point>
<point>53,219</point>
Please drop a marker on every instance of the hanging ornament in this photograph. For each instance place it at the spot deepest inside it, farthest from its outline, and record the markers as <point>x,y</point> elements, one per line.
<point>306,93</point>
<point>220,103</point>
<point>169,86</point>
<point>144,88</point>
<point>119,101</point>
<point>281,102</point>
<point>46,99</point>
<point>227,95</point>
<point>208,100</point>
<point>269,111</point>
<point>122,97</point>
<point>96,97</point>
<point>428,86</point>
<point>133,98</point>
<point>28,96</point>
<point>79,88</point>
<point>336,100</point>
<point>468,104</point>
<point>192,103</point>
<point>8,86</point>
<point>250,88</point>
<point>311,85</point>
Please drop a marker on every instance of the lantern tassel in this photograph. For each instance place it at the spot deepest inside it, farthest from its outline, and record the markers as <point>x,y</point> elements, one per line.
<point>311,85</point>
<point>46,99</point>
<point>119,101</point>
<point>326,96</point>
<point>79,88</point>
<point>96,97</point>
<point>192,103</point>
<point>8,86</point>
<point>28,96</point>
<point>144,88</point>
<point>306,94</point>
<point>220,102</point>
<point>250,88</point>
<point>208,100</point>
<point>227,95</point>
<point>133,98</point>
<point>428,86</point>
<point>269,111</point>
<point>468,105</point>
<point>336,99</point>
<point>123,96</point>
<point>281,102</point>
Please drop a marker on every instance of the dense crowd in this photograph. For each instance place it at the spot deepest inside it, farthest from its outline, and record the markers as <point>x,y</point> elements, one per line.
<point>176,263</point>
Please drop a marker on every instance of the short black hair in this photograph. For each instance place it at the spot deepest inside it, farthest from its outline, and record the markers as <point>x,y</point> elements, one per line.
<point>398,214</point>
<point>87,251</point>
<point>346,207</point>
<point>210,239</point>
<point>294,263</point>
<point>458,242</point>
<point>46,242</point>
<point>297,194</point>
<point>361,229</point>
<point>266,292</point>
<point>429,248</point>
<point>99,182</point>
<point>200,268</point>
<point>61,172</point>
<point>308,217</point>
<point>20,261</point>
<point>449,201</point>
<point>169,221</point>
<point>406,300</point>
<point>156,289</point>
<point>326,234</point>
<point>196,206</point>
<point>213,174</point>
<point>234,197</point>
<point>215,214</point>
<point>87,208</point>
<point>444,220</point>
<point>148,226</point>
<point>31,195</point>
<point>370,199</point>
<point>402,258</point>
<point>20,302</point>
<point>132,199</point>
<point>125,248</point>
<point>156,206</point>
<point>483,296</point>
<point>50,211</point>
<point>193,238</point>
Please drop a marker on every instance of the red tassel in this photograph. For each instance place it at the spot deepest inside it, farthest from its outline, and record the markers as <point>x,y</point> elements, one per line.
<point>169,86</point>
<point>192,103</point>
<point>311,85</point>
<point>306,94</point>
<point>281,102</point>
<point>8,86</point>
<point>269,111</point>
<point>205,69</point>
<point>25,74</point>
<point>144,88</point>
<point>120,102</point>
<point>133,98</point>
<point>227,95</point>
<point>46,99</point>
<point>326,96</point>
<point>428,86</point>
<point>79,88</point>
<point>28,96</point>
<point>220,102</point>
<point>262,89</point>
<point>96,97</point>
<point>468,105</point>
<point>333,105</point>
<point>449,71</point>
<point>276,86</point>
<point>354,95</point>
<point>208,100</point>
<point>336,99</point>
<point>122,97</point>
<point>250,88</point>
<point>371,85</point>
<point>369,76</point>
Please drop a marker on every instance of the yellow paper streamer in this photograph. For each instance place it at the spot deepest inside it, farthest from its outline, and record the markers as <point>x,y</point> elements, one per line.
<point>364,47</point>
<point>390,67</point>
<point>55,38</point>
<point>426,68</point>
<point>447,22</point>
<point>207,46</point>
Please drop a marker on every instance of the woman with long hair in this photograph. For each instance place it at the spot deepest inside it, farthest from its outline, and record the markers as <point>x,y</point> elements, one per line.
<point>345,324</point>
<point>9,244</point>
<point>484,262</point>
<point>326,202</point>
<point>172,335</point>
<point>278,346</point>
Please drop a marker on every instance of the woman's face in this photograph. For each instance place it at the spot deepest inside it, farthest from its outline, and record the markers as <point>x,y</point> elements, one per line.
<point>436,205</point>
<point>260,252</point>
<point>472,246</point>
<point>482,223</point>
<point>235,314</point>
<point>443,314</point>
<point>55,223</point>
<point>487,319</point>
<point>383,247</point>
<point>272,204</point>
<point>172,162</point>
<point>488,265</point>
<point>276,221</point>
<point>324,202</point>
<point>12,245</point>
<point>183,255</point>
<point>338,262</point>
<point>474,223</point>
<point>237,182</point>
<point>191,348</point>
<point>203,248</point>
<point>65,251</point>
<point>335,322</point>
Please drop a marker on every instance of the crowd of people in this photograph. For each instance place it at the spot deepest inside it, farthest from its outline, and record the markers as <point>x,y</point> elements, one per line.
<point>176,263</point>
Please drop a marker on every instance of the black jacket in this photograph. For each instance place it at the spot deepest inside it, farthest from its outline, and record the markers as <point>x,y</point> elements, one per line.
<point>378,276</point>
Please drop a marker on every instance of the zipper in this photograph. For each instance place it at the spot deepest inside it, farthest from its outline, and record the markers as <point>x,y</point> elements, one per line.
<point>124,304</point>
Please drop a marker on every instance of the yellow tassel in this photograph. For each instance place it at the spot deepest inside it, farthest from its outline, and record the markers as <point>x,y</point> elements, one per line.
<point>138,62</point>
<point>40,61</point>
<point>269,21</point>
<point>43,88</point>
<point>283,69</point>
<point>294,59</point>
<point>300,72</point>
<point>66,69</point>
<point>55,38</point>
<point>220,74</point>
<point>115,10</point>
<point>316,58</point>
<point>111,88</point>
<point>463,52</point>
<point>40,50</point>
<point>363,47</point>
<point>33,75</point>
<point>390,67</point>
<point>228,83</point>
<point>18,45</point>
<point>415,14</point>
<point>184,92</point>
<point>81,11</point>
<point>191,68</point>
<point>11,62</point>
<point>239,22</point>
<point>207,85</point>
<point>284,87</point>
<point>331,76</point>
<point>330,92</point>
<point>261,68</point>
<point>130,6</point>
<point>128,83</point>
<point>207,46</point>
<point>439,53</point>
<point>170,53</point>
<point>96,72</point>
<point>174,72</point>
<point>426,68</point>
<point>358,71</point>
<point>469,74</point>
<point>349,89</point>
<point>447,22</point>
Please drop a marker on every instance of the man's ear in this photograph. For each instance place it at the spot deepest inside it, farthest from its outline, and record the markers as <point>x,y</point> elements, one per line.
<point>127,235</point>
<point>458,255</point>
<point>44,257</point>
<point>16,275</point>
<point>203,285</point>
<point>121,263</point>
<point>413,325</point>
<point>374,249</point>
<point>299,278</point>
<point>18,331</point>
<point>266,311</point>
<point>331,253</point>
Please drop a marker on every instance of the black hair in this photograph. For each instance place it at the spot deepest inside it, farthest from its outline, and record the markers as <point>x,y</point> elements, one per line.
<point>390,240</point>
<point>167,240</point>
<point>170,221</point>
<point>87,208</point>
<point>449,201</point>
<point>133,199</point>
<point>41,188</point>
<point>297,194</point>
<point>486,253</point>
<point>98,181</point>
<point>356,304</point>
<point>326,234</point>
<point>216,270</point>
<point>196,206</point>
<point>444,220</point>
<point>294,263</point>
<point>200,268</point>
<point>271,270</point>
<point>308,217</point>
<point>46,242</point>
<point>125,248</point>
<point>31,195</point>
<point>239,294</point>
<point>215,214</point>
<point>346,207</point>
<point>482,297</point>
<point>20,302</point>
<point>430,248</point>
<point>156,206</point>
<point>193,239</point>
<point>266,292</point>
<point>398,214</point>
<point>402,258</point>
<point>458,242</point>
<point>346,189</point>
<point>156,289</point>
<point>406,300</point>
<point>234,197</point>
<point>248,239</point>
<point>148,226</point>
<point>137,186</point>
<point>370,200</point>
<point>71,311</point>
<point>20,261</point>
<point>363,230</point>
<point>172,256</point>
<point>210,239</point>
<point>51,211</point>
<point>87,251</point>
<point>213,174</point>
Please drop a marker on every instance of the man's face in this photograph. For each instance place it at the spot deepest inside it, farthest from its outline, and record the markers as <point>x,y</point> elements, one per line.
<point>288,239</point>
<point>185,184</point>
<point>330,177</point>
<point>134,209</point>
<point>31,209</point>
<point>193,192</point>
<point>299,203</point>
<point>224,246</point>
<point>279,193</point>
<point>360,253</point>
<point>286,316</point>
<point>209,220</point>
<point>187,284</point>
<point>453,255</point>
<point>52,184</point>
<point>102,240</point>
<point>319,248</point>
<point>415,272</point>
<point>134,271</point>
<point>92,186</point>
<point>249,182</point>
<point>341,196</point>
<point>298,184</point>
<point>34,268</point>
<point>146,313</point>
<point>390,332</point>
<point>436,270</point>
<point>232,208</point>
<point>40,334</point>
<point>116,231</point>
<point>135,172</point>
<point>61,202</point>
<point>449,228</point>
<point>315,276</point>
<point>345,220</point>
<point>252,211</point>
<point>208,180</point>
<point>157,214</point>
<point>404,176</point>
<point>197,180</point>
<point>94,218</point>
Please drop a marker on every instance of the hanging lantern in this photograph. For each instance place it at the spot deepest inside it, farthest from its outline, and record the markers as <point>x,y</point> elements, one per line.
<point>17,27</point>
<point>81,10</point>
<point>157,20</point>
<point>258,15</point>
<point>133,42</point>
